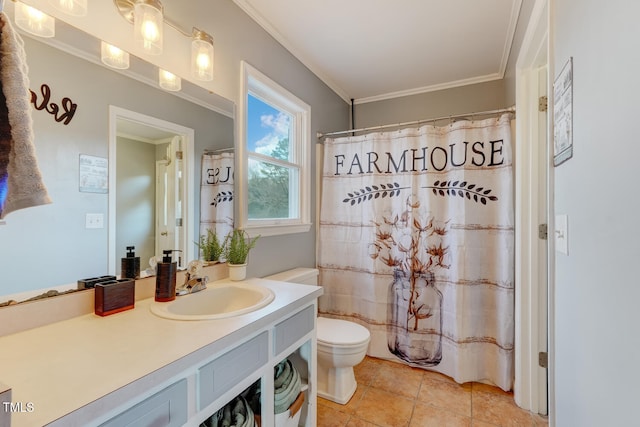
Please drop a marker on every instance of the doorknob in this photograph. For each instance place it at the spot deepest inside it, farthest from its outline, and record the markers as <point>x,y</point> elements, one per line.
<point>164,233</point>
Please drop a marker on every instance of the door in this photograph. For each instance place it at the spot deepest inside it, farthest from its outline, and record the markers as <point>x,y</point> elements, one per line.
<point>169,201</point>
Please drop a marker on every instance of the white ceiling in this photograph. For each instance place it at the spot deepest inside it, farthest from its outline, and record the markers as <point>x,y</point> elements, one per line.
<point>370,50</point>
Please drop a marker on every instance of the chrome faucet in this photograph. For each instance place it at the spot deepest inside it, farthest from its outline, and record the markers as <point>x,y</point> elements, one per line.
<point>192,285</point>
<point>193,282</point>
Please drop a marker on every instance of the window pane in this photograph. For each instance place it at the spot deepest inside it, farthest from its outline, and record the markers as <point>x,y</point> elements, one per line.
<point>268,129</point>
<point>269,189</point>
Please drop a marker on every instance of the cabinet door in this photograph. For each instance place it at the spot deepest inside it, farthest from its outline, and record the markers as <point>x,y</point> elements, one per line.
<point>167,408</point>
<point>218,376</point>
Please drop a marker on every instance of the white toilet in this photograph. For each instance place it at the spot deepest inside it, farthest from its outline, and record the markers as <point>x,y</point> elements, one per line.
<point>341,345</point>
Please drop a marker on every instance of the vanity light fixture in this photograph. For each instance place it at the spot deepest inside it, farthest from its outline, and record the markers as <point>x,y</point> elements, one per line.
<point>33,21</point>
<point>201,55</point>
<point>148,19</point>
<point>71,7</point>
<point>113,56</point>
<point>169,81</point>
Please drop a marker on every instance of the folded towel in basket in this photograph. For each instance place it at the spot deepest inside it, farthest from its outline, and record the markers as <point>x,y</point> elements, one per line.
<point>287,385</point>
<point>236,413</point>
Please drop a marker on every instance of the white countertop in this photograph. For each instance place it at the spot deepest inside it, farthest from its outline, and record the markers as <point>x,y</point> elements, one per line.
<point>63,366</point>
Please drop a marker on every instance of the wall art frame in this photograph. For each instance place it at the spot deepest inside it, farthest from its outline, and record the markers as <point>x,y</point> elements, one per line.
<point>563,115</point>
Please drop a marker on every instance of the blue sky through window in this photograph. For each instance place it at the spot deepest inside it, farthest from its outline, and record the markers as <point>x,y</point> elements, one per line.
<point>266,126</point>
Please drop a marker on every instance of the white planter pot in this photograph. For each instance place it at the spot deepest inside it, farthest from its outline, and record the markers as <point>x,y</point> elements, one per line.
<point>237,271</point>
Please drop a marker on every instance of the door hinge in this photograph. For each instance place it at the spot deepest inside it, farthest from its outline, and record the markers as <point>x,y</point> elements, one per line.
<point>543,231</point>
<point>543,104</point>
<point>178,222</point>
<point>543,359</point>
<point>179,155</point>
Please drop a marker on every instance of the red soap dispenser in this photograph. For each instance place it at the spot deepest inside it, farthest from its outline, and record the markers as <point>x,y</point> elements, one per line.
<point>166,278</point>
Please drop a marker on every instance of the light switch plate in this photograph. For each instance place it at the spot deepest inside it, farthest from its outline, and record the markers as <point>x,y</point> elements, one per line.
<point>562,234</point>
<point>94,220</point>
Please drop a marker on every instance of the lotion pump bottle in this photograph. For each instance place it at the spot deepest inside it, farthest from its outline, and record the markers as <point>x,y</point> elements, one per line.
<point>130,266</point>
<point>166,278</point>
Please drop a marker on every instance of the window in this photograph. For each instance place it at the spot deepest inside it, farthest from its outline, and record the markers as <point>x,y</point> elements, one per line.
<point>274,150</point>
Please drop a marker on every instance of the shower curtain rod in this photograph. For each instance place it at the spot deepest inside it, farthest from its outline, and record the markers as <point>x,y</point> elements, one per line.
<point>219,150</point>
<point>512,109</point>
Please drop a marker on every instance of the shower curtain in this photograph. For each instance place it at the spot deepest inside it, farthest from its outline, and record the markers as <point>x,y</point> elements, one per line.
<point>216,194</point>
<point>416,242</point>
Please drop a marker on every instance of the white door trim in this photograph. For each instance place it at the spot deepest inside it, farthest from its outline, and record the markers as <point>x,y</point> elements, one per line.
<point>530,389</point>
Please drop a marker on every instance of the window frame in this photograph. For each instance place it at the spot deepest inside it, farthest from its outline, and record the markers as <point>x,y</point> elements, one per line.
<point>259,85</point>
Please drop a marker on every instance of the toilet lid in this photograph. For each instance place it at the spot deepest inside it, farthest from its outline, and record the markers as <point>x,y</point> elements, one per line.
<point>341,332</point>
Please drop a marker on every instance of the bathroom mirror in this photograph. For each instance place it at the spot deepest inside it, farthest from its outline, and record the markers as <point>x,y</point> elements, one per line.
<point>53,246</point>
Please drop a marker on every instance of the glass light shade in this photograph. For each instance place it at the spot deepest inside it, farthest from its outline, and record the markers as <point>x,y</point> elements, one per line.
<point>71,7</point>
<point>169,81</point>
<point>113,56</point>
<point>148,25</point>
<point>202,55</point>
<point>34,21</point>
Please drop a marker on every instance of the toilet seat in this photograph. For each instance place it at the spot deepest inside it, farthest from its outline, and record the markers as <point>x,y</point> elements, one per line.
<point>341,333</point>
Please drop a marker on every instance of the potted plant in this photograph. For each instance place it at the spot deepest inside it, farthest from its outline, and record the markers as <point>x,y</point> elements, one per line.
<point>210,246</point>
<point>237,245</point>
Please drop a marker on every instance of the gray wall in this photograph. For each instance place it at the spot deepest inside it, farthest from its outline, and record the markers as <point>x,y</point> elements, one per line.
<point>597,344</point>
<point>460,100</point>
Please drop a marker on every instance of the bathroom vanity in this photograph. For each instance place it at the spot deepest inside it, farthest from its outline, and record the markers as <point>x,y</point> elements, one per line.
<point>136,368</point>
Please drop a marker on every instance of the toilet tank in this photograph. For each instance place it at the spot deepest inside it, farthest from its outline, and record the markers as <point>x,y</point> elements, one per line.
<point>305,276</point>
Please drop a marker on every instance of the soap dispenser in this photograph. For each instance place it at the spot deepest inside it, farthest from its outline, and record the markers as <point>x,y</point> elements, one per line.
<point>130,266</point>
<point>166,278</point>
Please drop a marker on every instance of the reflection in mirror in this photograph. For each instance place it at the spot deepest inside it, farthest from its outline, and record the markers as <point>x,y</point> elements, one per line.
<point>150,207</point>
<point>53,246</point>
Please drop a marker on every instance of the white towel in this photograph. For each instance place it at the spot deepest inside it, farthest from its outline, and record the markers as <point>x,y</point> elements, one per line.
<point>21,184</point>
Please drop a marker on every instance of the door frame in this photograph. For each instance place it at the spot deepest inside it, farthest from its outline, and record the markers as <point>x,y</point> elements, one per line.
<point>189,189</point>
<point>532,386</point>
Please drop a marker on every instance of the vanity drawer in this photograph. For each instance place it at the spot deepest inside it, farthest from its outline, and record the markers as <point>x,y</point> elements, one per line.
<point>218,376</point>
<point>292,329</point>
<point>167,408</point>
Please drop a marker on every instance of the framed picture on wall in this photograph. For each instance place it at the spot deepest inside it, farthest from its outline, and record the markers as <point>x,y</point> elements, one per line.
<point>563,115</point>
<point>94,174</point>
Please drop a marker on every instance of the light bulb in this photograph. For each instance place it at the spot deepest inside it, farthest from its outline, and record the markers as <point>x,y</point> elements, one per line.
<point>148,25</point>
<point>113,56</point>
<point>71,7</point>
<point>34,21</point>
<point>202,55</point>
<point>169,81</point>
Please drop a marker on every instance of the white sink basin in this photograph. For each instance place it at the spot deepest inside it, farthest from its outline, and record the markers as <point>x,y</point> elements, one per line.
<point>215,302</point>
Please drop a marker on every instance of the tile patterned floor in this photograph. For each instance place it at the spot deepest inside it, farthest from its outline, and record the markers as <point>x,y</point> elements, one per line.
<point>394,395</point>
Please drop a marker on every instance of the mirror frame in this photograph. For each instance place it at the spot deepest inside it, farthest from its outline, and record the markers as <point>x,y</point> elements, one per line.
<point>188,214</point>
